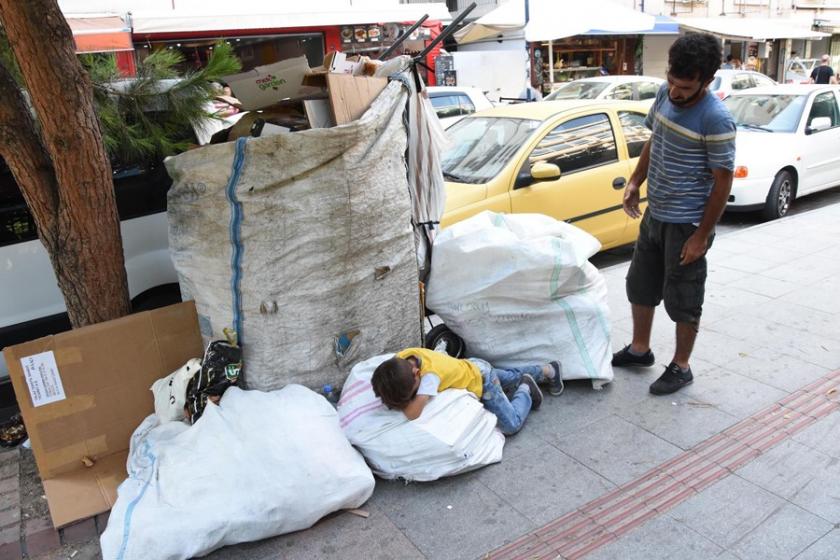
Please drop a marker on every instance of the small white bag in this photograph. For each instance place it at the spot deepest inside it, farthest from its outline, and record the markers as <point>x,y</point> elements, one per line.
<point>171,391</point>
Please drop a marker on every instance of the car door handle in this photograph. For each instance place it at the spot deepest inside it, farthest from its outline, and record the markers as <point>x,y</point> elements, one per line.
<point>619,182</point>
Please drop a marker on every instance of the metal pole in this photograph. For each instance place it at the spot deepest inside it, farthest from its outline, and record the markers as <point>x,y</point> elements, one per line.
<point>401,39</point>
<point>550,63</point>
<point>528,77</point>
<point>450,29</point>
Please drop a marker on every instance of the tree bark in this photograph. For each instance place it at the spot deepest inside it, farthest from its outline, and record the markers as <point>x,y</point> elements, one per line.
<point>65,175</point>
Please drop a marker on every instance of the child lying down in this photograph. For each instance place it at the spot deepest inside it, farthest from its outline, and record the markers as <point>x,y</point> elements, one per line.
<point>407,381</point>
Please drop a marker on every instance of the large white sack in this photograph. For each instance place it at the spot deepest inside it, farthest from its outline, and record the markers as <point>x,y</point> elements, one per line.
<point>258,465</point>
<point>454,434</point>
<point>519,289</point>
<point>309,235</point>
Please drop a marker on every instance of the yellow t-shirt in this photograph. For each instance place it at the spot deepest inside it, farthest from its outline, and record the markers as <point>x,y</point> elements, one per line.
<point>453,373</point>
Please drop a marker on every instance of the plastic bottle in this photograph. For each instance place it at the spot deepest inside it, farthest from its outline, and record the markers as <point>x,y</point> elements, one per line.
<point>330,394</point>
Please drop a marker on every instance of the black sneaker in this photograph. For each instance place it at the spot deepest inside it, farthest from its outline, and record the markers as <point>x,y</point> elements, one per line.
<point>624,358</point>
<point>556,387</point>
<point>672,380</point>
<point>536,394</point>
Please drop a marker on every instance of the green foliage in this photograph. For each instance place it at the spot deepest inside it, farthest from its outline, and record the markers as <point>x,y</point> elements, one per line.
<point>153,115</point>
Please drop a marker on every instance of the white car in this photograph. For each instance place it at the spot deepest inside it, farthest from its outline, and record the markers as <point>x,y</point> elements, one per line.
<point>453,103</point>
<point>32,305</point>
<point>627,88</point>
<point>798,70</point>
<point>787,146</point>
<point>728,81</point>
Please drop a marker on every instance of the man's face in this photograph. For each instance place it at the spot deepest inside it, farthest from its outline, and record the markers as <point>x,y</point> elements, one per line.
<point>683,92</point>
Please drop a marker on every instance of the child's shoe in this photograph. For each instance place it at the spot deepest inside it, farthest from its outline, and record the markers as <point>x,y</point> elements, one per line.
<point>556,383</point>
<point>536,394</point>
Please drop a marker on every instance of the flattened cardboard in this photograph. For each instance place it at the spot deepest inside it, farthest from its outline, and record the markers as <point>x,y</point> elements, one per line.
<point>106,370</point>
<point>267,85</point>
<point>350,96</point>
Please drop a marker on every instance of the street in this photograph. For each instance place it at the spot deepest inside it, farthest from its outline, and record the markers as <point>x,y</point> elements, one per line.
<point>730,223</point>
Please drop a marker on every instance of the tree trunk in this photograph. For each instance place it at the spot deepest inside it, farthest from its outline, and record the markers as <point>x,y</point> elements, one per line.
<point>65,176</point>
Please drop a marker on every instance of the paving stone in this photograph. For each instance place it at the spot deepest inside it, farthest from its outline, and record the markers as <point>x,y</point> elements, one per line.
<point>681,419</point>
<point>823,435</point>
<point>343,536</point>
<point>716,515</point>
<point>620,452</point>
<point>824,549</point>
<point>10,517</point>
<point>9,468</point>
<point>782,371</point>
<point>786,468</point>
<point>10,497</point>
<point>79,532</point>
<point>821,495</point>
<point>544,484</point>
<point>824,299</point>
<point>662,538</point>
<point>734,394</point>
<point>8,456</point>
<point>41,536</point>
<point>782,536</point>
<point>432,515</point>
<point>10,548</point>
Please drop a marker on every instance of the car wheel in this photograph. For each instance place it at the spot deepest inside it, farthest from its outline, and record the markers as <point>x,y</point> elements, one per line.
<point>780,196</point>
<point>442,339</point>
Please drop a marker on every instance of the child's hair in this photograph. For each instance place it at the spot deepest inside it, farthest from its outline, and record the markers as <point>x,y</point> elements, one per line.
<point>393,382</point>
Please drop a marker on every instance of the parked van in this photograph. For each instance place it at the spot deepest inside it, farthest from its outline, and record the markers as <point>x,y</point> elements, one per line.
<point>32,305</point>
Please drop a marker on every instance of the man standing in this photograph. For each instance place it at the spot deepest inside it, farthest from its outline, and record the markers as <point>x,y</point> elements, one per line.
<point>688,163</point>
<point>823,74</point>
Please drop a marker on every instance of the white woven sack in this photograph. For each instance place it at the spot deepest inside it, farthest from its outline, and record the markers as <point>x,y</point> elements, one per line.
<point>303,244</point>
<point>454,434</point>
<point>519,289</point>
<point>257,465</point>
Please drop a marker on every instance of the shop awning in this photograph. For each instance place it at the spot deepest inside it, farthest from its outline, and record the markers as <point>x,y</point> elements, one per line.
<point>193,21</point>
<point>550,20</point>
<point>736,28</point>
<point>663,25</point>
<point>100,33</point>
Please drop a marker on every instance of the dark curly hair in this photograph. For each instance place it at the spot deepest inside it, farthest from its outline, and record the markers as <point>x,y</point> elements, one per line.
<point>694,56</point>
<point>393,382</point>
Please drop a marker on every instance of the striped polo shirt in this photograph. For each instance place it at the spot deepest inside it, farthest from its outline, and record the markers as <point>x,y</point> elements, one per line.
<point>687,143</point>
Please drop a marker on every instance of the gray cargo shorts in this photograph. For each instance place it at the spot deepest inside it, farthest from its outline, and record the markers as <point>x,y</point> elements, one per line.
<point>656,273</point>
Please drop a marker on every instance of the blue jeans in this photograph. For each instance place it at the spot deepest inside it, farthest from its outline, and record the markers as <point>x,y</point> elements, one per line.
<point>510,413</point>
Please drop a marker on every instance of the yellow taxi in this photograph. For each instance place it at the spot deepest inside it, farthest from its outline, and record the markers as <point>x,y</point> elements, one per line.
<point>567,159</point>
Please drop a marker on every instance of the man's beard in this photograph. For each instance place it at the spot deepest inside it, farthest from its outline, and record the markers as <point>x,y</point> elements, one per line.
<point>687,101</point>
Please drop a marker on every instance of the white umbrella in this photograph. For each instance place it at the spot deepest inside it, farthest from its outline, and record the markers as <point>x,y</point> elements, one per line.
<point>550,20</point>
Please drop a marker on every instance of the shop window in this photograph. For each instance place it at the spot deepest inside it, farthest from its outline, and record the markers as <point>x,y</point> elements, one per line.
<point>635,132</point>
<point>825,105</point>
<point>578,144</point>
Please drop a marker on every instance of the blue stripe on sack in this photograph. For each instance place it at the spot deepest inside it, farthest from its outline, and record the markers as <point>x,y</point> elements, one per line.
<point>236,235</point>
<point>130,509</point>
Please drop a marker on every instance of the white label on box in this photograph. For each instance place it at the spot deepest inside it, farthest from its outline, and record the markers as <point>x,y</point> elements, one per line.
<point>41,373</point>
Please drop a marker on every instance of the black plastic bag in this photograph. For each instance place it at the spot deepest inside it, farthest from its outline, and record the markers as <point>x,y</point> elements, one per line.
<point>220,368</point>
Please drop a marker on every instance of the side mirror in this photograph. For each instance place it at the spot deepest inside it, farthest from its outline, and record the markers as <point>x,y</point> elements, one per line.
<point>542,171</point>
<point>818,124</point>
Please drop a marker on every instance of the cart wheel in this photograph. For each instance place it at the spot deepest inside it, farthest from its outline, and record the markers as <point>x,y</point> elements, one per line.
<point>442,339</point>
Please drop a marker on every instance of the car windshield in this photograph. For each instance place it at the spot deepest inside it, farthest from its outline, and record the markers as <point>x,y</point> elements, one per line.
<point>772,113</point>
<point>578,90</point>
<point>481,146</point>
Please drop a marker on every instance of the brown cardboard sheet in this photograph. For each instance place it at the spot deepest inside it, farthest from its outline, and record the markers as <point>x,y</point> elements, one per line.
<point>350,96</point>
<point>106,371</point>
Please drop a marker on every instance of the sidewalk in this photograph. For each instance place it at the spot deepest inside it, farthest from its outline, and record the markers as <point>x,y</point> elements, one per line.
<point>743,464</point>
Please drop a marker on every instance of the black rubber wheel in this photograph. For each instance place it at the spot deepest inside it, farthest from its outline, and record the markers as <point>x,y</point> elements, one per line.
<point>780,196</point>
<point>441,337</point>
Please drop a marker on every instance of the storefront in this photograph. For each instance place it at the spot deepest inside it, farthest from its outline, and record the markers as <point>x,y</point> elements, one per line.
<point>260,39</point>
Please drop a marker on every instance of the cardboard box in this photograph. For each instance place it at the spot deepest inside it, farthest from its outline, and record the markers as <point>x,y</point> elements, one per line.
<point>92,397</point>
<point>267,85</point>
<point>351,96</point>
